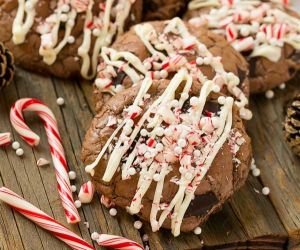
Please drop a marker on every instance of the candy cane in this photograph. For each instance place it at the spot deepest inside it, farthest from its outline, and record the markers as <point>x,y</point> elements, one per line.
<point>5,139</point>
<point>57,151</point>
<point>43,220</point>
<point>86,192</point>
<point>116,242</point>
<point>231,32</point>
<point>243,44</point>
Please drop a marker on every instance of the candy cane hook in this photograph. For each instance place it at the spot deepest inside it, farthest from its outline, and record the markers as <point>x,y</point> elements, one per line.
<point>54,140</point>
<point>43,220</point>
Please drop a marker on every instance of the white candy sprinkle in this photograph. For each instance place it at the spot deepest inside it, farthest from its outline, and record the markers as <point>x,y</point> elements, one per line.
<point>199,60</point>
<point>216,89</point>
<point>181,143</point>
<point>71,39</point>
<point>253,166</point>
<point>178,150</point>
<point>113,212</point>
<point>269,94</point>
<point>159,131</point>
<point>130,122</point>
<point>60,101</point>
<point>86,224</point>
<point>131,171</point>
<point>197,153</point>
<point>70,23</point>
<point>174,103</point>
<point>245,31</point>
<point>95,236</point>
<point>96,32</point>
<point>144,132</point>
<point>168,132</point>
<point>127,130</point>
<point>221,100</point>
<point>159,147</point>
<point>19,152</point>
<point>156,177</point>
<point>65,8</point>
<point>16,145</point>
<point>184,96</point>
<point>73,188</point>
<point>72,175</point>
<point>197,230</point>
<point>282,86</point>
<point>256,172</point>
<point>163,74</point>
<point>77,203</point>
<point>265,191</point>
<point>137,224</point>
<point>207,60</point>
<point>63,17</point>
<point>194,101</point>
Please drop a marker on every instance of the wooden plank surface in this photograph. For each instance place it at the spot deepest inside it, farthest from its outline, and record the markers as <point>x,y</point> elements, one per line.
<point>249,217</point>
<point>246,217</point>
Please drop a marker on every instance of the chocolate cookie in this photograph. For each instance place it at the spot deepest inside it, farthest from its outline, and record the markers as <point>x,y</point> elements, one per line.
<point>168,163</point>
<point>162,9</point>
<point>151,47</point>
<point>266,33</point>
<point>173,149</point>
<point>63,38</point>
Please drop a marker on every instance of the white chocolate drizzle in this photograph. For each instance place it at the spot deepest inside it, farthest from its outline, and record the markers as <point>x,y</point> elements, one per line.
<point>21,28</point>
<point>255,26</point>
<point>65,15</point>
<point>159,65</point>
<point>166,134</point>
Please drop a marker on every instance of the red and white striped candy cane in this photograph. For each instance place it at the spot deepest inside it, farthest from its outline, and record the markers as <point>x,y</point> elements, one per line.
<point>43,220</point>
<point>5,139</point>
<point>57,151</point>
<point>116,242</point>
<point>86,192</point>
<point>231,32</point>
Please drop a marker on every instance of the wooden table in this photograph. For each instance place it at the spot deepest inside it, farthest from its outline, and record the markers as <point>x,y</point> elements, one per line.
<point>247,220</point>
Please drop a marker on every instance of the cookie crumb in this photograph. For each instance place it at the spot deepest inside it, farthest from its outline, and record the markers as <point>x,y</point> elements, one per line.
<point>42,162</point>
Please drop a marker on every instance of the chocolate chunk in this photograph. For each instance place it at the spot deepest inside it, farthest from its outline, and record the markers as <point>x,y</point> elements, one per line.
<point>202,204</point>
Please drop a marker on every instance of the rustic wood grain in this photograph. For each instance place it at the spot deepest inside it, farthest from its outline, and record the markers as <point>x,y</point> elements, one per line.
<point>248,220</point>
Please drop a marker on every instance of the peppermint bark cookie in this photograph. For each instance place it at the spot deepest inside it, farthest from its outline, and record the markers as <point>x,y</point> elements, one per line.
<point>64,37</point>
<point>171,150</point>
<point>152,47</point>
<point>266,33</point>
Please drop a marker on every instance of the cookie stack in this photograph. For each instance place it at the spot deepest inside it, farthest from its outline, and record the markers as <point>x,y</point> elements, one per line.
<point>168,142</point>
